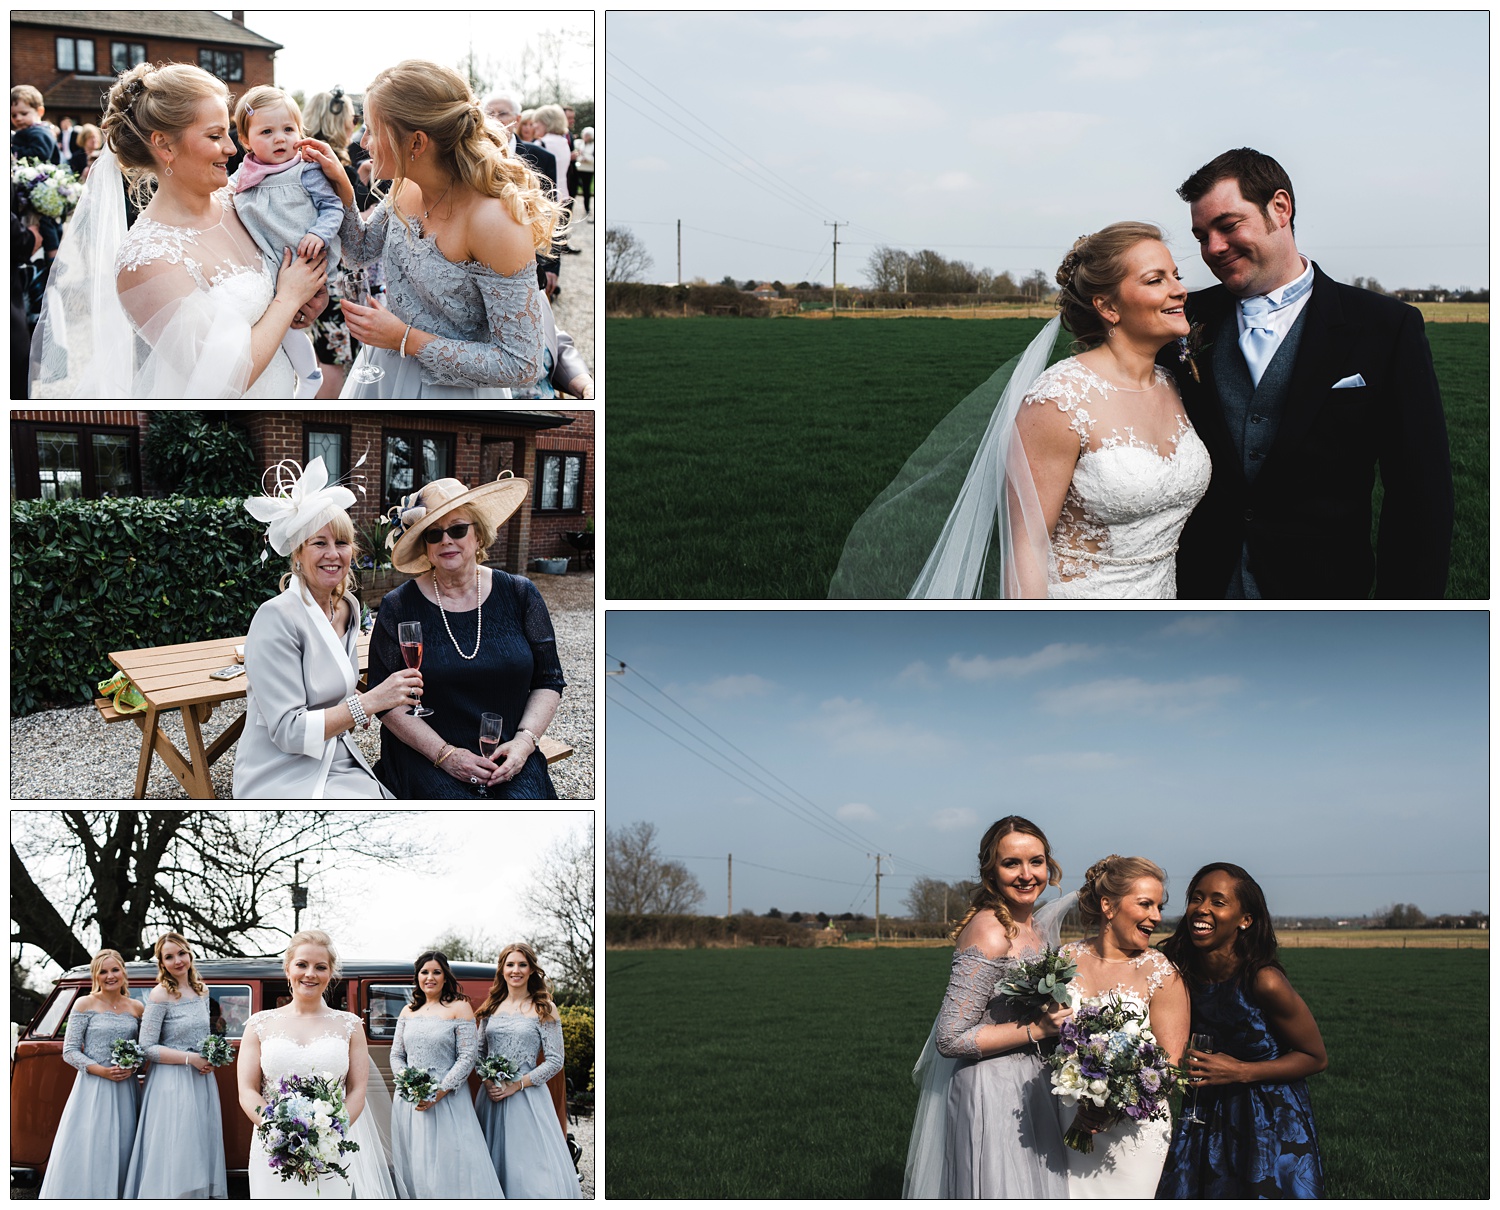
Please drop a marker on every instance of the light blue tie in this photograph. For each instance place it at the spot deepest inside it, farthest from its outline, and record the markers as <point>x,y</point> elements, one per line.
<point>1258,342</point>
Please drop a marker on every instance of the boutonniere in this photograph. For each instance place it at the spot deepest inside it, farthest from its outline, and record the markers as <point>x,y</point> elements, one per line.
<point>1189,346</point>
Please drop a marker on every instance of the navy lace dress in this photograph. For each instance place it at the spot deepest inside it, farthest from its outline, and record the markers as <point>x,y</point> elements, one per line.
<point>1256,1140</point>
<point>518,654</point>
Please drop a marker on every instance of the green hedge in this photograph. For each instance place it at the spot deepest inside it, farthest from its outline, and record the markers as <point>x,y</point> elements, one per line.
<point>578,1047</point>
<point>93,576</point>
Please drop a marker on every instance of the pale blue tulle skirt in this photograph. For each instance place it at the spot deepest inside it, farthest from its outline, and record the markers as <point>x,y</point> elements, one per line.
<point>440,1152</point>
<point>91,1149</point>
<point>526,1144</point>
<point>179,1143</point>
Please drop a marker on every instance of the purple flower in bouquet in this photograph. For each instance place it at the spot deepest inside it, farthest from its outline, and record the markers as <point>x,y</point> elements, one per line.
<point>303,1128</point>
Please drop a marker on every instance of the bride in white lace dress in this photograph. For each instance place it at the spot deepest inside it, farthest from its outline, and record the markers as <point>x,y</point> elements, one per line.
<point>1121,901</point>
<point>1079,480</point>
<point>306,1037</point>
<point>182,305</point>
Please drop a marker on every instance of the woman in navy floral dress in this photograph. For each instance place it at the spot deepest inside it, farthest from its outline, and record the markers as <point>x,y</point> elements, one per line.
<point>1256,1138</point>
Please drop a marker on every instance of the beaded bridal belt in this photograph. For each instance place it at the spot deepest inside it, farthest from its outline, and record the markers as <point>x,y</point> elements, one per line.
<point>1092,556</point>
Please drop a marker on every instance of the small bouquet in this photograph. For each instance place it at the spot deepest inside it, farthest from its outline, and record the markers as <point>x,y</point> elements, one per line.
<point>496,1067</point>
<point>49,189</point>
<point>1106,1054</point>
<point>303,1128</point>
<point>126,1052</point>
<point>1033,985</point>
<point>415,1084</point>
<point>216,1049</point>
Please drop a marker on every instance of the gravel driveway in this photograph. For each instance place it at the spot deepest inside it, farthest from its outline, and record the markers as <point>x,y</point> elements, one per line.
<point>72,753</point>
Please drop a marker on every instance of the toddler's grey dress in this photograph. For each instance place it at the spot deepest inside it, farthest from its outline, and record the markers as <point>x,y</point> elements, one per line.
<point>439,1152</point>
<point>283,207</point>
<point>525,1139</point>
<point>491,327</point>
<point>91,1149</point>
<point>179,1144</point>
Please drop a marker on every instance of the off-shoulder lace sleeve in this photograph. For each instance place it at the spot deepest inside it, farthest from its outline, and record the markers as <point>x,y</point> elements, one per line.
<point>73,1040</point>
<point>152,1020</point>
<point>513,356</point>
<point>971,987</point>
<point>481,1041</point>
<point>552,1052</point>
<point>363,241</point>
<point>463,1062</point>
<point>398,1047</point>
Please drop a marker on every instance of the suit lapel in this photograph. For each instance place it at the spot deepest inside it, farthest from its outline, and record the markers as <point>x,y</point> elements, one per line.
<point>1319,356</point>
<point>1213,309</point>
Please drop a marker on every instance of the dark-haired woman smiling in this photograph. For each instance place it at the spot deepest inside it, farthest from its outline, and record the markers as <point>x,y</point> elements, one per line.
<point>437,1147</point>
<point>1256,1138</point>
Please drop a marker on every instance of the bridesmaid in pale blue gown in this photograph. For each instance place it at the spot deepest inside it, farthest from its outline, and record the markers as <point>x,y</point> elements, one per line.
<point>91,1149</point>
<point>179,1143</point>
<point>526,1141</point>
<point>458,234</point>
<point>436,1147</point>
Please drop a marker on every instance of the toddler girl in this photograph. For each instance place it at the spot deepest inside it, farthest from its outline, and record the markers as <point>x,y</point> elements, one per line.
<point>285,201</point>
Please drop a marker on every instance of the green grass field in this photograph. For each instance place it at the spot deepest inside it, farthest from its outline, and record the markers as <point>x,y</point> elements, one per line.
<point>741,452</point>
<point>786,1073</point>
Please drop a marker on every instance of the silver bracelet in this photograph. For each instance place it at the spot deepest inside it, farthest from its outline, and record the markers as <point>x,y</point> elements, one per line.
<point>357,712</point>
<point>404,335</point>
<point>536,740</point>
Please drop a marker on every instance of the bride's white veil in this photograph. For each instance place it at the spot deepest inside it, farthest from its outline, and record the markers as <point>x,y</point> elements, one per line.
<point>931,1075</point>
<point>962,506</point>
<point>371,1173</point>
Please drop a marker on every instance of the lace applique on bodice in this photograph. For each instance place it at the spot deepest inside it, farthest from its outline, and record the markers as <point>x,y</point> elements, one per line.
<point>1129,499</point>
<point>489,325</point>
<point>211,257</point>
<point>1139,979</point>
<point>971,1002</point>
<point>174,1025</point>
<point>442,1046</point>
<point>295,1046</point>
<point>519,1036</point>
<point>91,1035</point>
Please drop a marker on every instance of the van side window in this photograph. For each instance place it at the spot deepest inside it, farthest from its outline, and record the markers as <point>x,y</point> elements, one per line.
<point>228,1008</point>
<point>386,1002</point>
<point>53,1020</point>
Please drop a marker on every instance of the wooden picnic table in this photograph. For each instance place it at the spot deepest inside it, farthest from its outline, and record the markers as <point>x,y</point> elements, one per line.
<point>176,677</point>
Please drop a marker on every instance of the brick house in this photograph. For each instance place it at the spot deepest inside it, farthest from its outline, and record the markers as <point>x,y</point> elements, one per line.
<point>72,56</point>
<point>93,454</point>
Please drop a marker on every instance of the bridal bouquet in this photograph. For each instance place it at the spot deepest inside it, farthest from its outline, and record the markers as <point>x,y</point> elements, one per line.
<point>1032,985</point>
<point>303,1128</point>
<point>415,1084</point>
<point>496,1067</point>
<point>1107,1055</point>
<point>126,1052</point>
<point>49,189</point>
<point>216,1049</point>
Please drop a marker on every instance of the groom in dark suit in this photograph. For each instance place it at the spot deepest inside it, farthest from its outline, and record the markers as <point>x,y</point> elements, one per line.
<point>1304,386</point>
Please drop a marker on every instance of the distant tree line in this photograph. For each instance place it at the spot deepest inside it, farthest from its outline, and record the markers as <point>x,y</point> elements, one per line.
<point>927,272</point>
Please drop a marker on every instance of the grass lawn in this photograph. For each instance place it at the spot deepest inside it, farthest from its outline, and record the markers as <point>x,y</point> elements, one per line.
<point>742,451</point>
<point>786,1073</point>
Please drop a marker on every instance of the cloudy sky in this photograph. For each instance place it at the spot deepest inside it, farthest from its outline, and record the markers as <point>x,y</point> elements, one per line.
<point>347,46</point>
<point>1000,138</point>
<point>1341,757</point>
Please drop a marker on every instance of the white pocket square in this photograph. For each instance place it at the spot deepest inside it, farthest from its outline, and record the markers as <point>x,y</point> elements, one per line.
<point>1354,380</point>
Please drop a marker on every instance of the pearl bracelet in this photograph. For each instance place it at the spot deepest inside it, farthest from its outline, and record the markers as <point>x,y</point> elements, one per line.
<point>357,712</point>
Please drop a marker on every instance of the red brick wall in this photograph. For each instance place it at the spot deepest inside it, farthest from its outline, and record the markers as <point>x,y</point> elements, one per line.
<point>547,529</point>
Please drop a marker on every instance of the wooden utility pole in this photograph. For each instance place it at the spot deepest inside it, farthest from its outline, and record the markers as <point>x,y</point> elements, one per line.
<point>731,885</point>
<point>877,857</point>
<point>835,227</point>
<point>679,258</point>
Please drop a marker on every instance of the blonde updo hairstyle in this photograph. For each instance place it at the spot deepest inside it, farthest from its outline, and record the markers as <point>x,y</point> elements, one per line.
<point>149,99</point>
<point>260,97</point>
<point>164,976</point>
<point>310,937</point>
<point>418,96</point>
<point>1094,269</point>
<point>343,531</point>
<point>987,897</point>
<point>1112,878</point>
<point>97,965</point>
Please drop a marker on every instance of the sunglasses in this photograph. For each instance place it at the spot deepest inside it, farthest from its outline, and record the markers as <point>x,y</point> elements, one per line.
<point>457,532</point>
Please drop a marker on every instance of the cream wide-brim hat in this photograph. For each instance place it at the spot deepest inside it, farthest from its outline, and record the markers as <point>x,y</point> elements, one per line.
<point>493,502</point>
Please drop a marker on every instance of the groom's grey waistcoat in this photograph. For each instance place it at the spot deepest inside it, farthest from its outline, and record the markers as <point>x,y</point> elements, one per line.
<point>1252,412</point>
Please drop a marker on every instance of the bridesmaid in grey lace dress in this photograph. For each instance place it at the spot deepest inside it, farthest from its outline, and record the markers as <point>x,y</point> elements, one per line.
<point>518,1020</point>
<point>179,1143</point>
<point>91,1149</point>
<point>436,1147</point>
<point>988,1128</point>
<point>459,234</point>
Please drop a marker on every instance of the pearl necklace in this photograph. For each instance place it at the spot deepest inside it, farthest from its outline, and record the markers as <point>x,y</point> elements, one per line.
<point>478,619</point>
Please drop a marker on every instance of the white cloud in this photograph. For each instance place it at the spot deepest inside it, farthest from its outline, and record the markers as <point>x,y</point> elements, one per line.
<point>1076,762</point>
<point>918,672</point>
<point>853,727</point>
<point>856,811</point>
<point>1199,624</point>
<point>744,685</point>
<point>952,819</point>
<point>1132,695</point>
<point>1054,655</point>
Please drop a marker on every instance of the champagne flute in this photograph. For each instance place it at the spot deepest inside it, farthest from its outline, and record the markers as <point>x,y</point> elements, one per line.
<point>1206,1044</point>
<point>490,734</point>
<point>367,370</point>
<point>410,636</point>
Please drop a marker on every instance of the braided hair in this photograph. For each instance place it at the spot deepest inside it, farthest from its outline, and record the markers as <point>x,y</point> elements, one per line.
<point>1094,267</point>
<point>1111,878</point>
<point>987,897</point>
